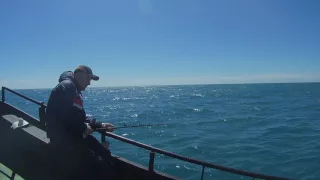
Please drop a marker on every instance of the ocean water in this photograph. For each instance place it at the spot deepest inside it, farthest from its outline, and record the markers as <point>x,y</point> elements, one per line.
<point>272,129</point>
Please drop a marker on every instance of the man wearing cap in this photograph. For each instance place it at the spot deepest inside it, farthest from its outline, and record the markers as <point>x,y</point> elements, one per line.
<point>69,128</point>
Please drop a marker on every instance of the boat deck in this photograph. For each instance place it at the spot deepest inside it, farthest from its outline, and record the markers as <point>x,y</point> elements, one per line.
<point>21,151</point>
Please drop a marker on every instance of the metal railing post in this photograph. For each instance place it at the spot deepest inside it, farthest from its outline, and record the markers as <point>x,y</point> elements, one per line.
<point>2,92</point>
<point>202,172</point>
<point>13,175</point>
<point>103,137</point>
<point>151,161</point>
<point>42,115</point>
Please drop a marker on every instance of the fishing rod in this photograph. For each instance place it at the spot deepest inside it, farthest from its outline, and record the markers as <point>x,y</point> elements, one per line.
<point>132,126</point>
<point>311,95</point>
<point>314,97</point>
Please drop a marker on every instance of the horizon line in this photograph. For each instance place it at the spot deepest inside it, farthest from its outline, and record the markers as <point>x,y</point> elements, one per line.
<point>192,84</point>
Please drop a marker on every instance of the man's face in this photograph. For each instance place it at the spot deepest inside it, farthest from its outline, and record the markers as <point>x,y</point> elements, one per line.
<point>84,80</point>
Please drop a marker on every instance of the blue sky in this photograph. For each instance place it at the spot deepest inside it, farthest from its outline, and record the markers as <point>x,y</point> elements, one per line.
<point>151,42</point>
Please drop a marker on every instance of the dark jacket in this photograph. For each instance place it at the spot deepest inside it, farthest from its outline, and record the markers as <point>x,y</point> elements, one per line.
<point>65,114</point>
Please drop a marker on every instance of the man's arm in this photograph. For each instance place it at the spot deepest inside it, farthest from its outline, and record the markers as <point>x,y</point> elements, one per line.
<point>93,122</point>
<point>97,124</point>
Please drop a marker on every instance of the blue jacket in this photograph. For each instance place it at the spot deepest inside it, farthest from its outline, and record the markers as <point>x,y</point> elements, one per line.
<point>65,114</point>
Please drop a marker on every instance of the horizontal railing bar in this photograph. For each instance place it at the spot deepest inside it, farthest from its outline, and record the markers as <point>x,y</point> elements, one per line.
<point>23,96</point>
<point>194,161</point>
<point>33,120</point>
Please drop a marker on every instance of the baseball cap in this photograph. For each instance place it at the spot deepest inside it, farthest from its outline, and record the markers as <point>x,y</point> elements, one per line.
<point>86,69</point>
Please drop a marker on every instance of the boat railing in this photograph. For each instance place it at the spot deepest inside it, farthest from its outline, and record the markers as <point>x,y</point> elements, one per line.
<point>154,150</point>
<point>42,108</point>
<point>204,165</point>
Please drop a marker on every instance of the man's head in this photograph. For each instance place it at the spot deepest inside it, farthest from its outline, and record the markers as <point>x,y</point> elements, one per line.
<point>83,75</point>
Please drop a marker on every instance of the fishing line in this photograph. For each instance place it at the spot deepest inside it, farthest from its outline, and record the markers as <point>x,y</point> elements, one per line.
<point>310,94</point>
<point>131,126</point>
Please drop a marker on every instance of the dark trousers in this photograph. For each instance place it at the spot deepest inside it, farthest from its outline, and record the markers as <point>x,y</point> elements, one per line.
<point>94,145</point>
<point>88,159</point>
<point>100,168</point>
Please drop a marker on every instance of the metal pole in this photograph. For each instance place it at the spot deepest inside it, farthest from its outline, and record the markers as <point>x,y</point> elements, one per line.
<point>151,161</point>
<point>2,91</point>
<point>202,173</point>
